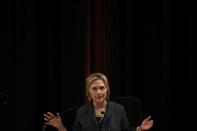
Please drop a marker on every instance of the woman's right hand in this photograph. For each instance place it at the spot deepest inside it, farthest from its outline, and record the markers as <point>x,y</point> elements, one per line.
<point>55,121</point>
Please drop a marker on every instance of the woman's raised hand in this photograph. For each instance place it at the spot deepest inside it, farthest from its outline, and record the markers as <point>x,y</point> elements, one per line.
<point>147,123</point>
<point>55,121</point>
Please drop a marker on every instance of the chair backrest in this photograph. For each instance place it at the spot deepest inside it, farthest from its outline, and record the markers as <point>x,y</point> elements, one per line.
<point>132,107</point>
<point>3,101</point>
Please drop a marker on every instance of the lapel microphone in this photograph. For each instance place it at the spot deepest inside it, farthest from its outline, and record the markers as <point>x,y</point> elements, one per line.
<point>103,113</point>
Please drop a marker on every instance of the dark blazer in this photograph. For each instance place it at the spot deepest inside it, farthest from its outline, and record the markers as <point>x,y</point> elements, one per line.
<point>115,119</point>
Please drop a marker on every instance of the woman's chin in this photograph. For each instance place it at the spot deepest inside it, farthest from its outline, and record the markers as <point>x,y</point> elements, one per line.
<point>100,100</point>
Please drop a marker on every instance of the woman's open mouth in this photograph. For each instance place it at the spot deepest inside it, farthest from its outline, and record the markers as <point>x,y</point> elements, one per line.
<point>99,97</point>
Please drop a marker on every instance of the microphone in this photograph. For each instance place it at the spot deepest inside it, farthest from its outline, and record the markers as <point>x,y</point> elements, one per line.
<point>61,113</point>
<point>69,109</point>
<point>103,113</point>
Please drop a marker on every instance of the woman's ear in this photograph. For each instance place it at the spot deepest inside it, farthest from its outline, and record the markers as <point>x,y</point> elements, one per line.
<point>89,97</point>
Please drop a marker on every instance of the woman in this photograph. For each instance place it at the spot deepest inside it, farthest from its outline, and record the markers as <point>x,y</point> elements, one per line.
<point>100,114</point>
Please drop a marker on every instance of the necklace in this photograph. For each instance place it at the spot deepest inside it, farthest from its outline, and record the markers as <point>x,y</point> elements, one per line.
<point>100,111</point>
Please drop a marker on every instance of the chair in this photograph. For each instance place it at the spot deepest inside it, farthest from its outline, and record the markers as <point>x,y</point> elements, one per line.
<point>132,107</point>
<point>3,101</point>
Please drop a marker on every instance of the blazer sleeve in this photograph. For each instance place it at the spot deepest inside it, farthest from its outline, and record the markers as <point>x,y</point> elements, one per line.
<point>77,124</point>
<point>125,123</point>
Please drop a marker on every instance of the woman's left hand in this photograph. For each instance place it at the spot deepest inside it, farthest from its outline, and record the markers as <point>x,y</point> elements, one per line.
<point>147,123</point>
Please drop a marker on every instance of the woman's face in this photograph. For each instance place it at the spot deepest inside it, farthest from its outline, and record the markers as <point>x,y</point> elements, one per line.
<point>98,91</point>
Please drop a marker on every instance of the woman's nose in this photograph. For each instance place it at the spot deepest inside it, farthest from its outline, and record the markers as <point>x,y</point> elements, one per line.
<point>98,91</point>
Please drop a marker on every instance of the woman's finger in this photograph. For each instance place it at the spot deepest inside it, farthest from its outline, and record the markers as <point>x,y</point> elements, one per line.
<point>50,114</point>
<point>46,119</point>
<point>148,118</point>
<point>47,116</point>
<point>46,123</point>
<point>58,116</point>
<point>151,122</point>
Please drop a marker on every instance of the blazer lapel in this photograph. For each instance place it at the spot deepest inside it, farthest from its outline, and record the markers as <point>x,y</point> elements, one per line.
<point>92,115</point>
<point>108,112</point>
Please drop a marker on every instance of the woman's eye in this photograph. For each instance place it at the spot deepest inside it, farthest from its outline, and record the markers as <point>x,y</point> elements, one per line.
<point>102,88</point>
<point>94,88</point>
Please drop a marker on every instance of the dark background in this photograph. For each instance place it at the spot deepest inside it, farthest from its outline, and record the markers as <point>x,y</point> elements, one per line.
<point>146,49</point>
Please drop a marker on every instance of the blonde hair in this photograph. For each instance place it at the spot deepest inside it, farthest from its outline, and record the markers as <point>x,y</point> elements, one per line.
<point>96,76</point>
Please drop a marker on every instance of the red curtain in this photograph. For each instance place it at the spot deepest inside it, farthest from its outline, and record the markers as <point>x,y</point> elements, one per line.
<point>97,49</point>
